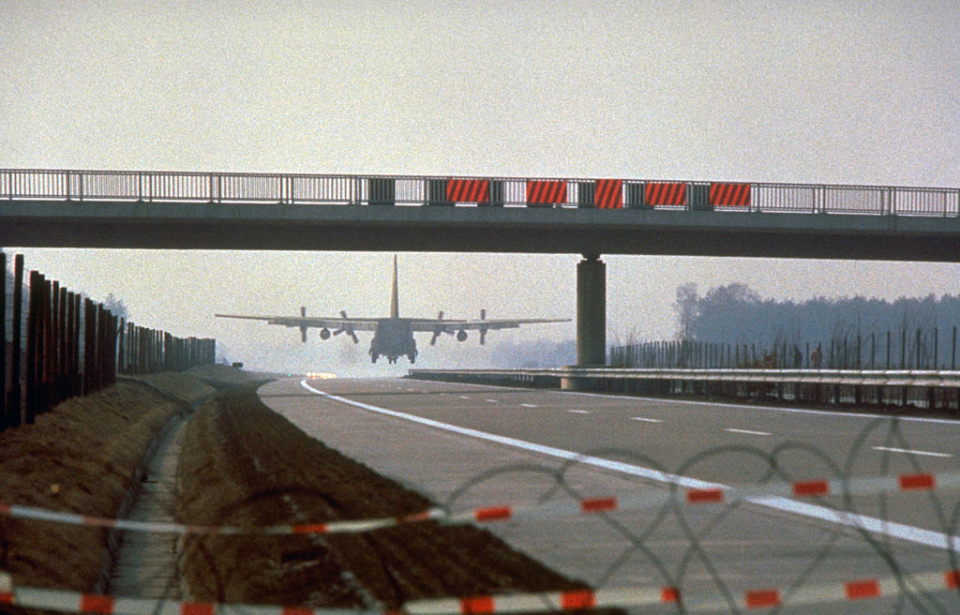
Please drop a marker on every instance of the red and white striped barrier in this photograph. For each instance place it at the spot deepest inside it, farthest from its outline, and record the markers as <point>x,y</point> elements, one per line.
<point>576,600</point>
<point>656,498</point>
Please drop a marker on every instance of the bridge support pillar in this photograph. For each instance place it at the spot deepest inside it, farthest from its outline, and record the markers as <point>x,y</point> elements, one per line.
<point>591,317</point>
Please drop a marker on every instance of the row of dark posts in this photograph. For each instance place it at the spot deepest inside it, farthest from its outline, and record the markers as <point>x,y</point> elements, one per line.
<point>919,349</point>
<point>75,346</point>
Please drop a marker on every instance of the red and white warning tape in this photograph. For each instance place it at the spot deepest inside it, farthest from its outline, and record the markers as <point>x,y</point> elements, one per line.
<point>857,590</point>
<point>654,499</point>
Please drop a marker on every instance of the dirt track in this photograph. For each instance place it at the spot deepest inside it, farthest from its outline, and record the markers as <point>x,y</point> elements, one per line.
<point>244,464</point>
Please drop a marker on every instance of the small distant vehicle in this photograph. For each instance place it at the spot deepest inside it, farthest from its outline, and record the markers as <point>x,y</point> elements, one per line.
<point>393,336</point>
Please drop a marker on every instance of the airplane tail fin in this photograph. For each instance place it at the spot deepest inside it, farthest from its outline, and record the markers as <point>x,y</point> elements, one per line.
<point>394,301</point>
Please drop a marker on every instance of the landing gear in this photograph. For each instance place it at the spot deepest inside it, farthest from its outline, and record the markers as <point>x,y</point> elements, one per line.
<point>373,357</point>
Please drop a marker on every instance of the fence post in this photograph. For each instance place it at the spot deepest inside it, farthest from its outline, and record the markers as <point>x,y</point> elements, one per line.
<point>936,347</point>
<point>102,349</point>
<point>57,336</point>
<point>889,341</point>
<point>3,343</point>
<point>917,364</point>
<point>14,401</point>
<point>112,374</point>
<point>68,341</point>
<point>953,351</point>
<point>60,386</point>
<point>32,348</point>
<point>141,351</point>
<point>89,346</point>
<point>49,347</point>
<point>75,382</point>
<point>903,348</point>
<point>121,324</point>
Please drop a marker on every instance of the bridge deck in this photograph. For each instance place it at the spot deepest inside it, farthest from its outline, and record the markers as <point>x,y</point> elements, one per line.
<point>92,209</point>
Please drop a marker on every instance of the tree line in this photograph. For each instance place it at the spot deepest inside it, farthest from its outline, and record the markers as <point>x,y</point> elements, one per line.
<point>846,332</point>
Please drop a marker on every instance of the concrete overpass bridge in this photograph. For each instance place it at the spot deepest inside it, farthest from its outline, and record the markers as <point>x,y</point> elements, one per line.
<point>172,210</point>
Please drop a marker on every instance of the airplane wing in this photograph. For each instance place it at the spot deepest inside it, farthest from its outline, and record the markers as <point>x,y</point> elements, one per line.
<point>453,326</point>
<point>306,322</point>
<point>439,326</point>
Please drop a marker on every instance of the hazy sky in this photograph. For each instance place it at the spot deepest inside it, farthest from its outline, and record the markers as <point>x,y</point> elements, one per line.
<point>834,92</point>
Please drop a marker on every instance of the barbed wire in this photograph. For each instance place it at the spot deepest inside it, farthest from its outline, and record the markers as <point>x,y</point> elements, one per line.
<point>690,578</point>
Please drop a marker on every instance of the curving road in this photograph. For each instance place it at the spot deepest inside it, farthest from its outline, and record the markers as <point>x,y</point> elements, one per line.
<point>470,446</point>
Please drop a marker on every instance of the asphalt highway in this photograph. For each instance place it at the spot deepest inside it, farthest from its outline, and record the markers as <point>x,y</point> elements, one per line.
<point>469,446</point>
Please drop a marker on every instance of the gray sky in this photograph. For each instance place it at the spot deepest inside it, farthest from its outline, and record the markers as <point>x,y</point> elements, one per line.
<point>834,92</point>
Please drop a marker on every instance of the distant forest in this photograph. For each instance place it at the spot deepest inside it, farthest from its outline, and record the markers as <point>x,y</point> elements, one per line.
<point>735,314</point>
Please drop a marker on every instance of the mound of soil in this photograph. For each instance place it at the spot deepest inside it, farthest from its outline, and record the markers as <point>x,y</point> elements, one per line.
<point>242,464</point>
<point>81,457</point>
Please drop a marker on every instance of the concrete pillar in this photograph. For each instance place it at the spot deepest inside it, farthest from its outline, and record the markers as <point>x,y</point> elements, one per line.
<point>591,320</point>
<point>591,311</point>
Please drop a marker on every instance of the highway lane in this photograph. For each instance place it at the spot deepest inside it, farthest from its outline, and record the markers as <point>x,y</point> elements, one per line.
<point>729,444</point>
<point>745,546</point>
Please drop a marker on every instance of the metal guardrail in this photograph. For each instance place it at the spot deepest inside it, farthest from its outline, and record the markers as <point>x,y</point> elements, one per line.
<point>921,388</point>
<point>864,378</point>
<point>156,186</point>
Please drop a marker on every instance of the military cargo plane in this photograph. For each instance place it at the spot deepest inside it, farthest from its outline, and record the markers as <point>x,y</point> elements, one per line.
<point>393,336</point>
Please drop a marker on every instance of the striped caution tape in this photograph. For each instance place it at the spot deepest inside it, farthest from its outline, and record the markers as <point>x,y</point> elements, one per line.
<point>684,496</point>
<point>576,600</point>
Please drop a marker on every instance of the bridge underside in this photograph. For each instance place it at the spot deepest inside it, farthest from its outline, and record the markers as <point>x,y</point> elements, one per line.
<point>108,224</point>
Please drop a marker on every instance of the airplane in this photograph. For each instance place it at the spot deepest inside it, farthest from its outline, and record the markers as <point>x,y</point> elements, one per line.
<point>393,336</point>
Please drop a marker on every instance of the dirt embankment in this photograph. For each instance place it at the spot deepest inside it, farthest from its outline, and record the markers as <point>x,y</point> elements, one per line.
<point>82,457</point>
<point>242,464</point>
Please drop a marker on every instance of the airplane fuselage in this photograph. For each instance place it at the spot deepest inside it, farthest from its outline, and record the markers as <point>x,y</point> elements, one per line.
<point>393,338</point>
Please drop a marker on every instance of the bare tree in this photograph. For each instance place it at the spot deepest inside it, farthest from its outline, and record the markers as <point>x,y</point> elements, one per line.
<point>687,307</point>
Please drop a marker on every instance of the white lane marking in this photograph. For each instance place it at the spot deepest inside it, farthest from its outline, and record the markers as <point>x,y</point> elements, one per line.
<point>849,415</point>
<point>749,432</point>
<point>910,452</point>
<point>579,411</point>
<point>645,419</point>
<point>492,401</point>
<point>464,397</point>
<point>530,405</point>
<point>909,533</point>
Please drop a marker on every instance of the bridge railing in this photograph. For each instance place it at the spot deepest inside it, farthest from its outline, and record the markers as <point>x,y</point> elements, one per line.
<point>163,186</point>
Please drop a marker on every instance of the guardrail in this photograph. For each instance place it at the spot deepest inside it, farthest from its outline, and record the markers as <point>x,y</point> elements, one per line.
<point>924,388</point>
<point>161,186</point>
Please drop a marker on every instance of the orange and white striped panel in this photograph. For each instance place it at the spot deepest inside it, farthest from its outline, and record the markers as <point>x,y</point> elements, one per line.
<point>468,190</point>
<point>730,195</point>
<point>666,193</point>
<point>609,194</point>
<point>546,192</point>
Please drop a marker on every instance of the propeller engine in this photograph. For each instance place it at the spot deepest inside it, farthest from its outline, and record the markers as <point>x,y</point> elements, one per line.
<point>324,333</point>
<point>483,330</point>
<point>461,336</point>
<point>347,329</point>
<point>438,330</point>
<point>303,328</point>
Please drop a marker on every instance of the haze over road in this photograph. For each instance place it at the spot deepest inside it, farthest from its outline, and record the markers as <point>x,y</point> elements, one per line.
<point>520,438</point>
